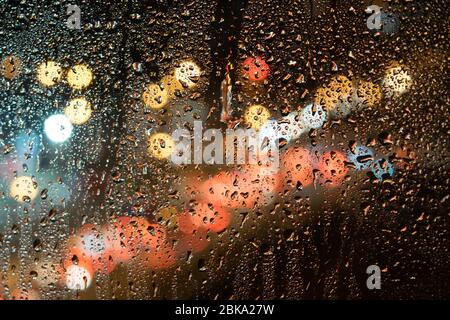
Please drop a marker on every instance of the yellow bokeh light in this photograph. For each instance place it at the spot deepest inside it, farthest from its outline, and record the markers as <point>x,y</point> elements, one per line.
<point>23,188</point>
<point>396,81</point>
<point>188,73</point>
<point>256,116</point>
<point>171,84</point>
<point>161,145</point>
<point>49,73</point>
<point>155,96</point>
<point>369,93</point>
<point>78,111</point>
<point>337,90</point>
<point>79,77</point>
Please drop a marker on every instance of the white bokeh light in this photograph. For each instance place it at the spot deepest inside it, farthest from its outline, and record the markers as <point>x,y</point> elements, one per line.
<point>58,128</point>
<point>78,278</point>
<point>313,116</point>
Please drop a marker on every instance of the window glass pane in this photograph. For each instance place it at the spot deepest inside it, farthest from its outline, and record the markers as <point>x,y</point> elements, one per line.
<point>255,149</point>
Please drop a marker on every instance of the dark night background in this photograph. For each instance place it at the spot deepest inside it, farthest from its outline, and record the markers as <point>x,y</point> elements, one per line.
<point>312,244</point>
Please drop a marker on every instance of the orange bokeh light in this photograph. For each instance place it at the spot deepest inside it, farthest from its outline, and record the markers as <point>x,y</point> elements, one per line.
<point>229,189</point>
<point>185,223</point>
<point>128,237</point>
<point>251,186</point>
<point>297,166</point>
<point>204,217</point>
<point>162,257</point>
<point>264,178</point>
<point>24,294</point>
<point>141,234</point>
<point>332,168</point>
<point>214,218</point>
<point>116,241</point>
<point>196,241</point>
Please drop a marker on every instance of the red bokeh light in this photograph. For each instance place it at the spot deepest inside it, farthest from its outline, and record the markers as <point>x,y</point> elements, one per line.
<point>255,69</point>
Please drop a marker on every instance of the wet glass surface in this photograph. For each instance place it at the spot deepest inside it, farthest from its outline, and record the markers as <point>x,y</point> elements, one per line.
<point>99,200</point>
